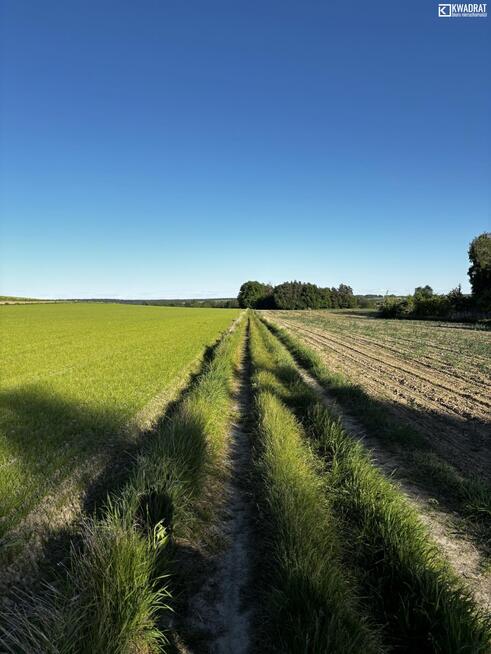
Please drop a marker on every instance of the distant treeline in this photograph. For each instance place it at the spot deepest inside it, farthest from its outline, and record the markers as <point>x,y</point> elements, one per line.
<point>214,303</point>
<point>295,295</point>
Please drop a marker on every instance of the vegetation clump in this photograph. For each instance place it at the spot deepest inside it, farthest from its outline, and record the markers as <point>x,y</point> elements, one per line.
<point>480,270</point>
<point>424,303</point>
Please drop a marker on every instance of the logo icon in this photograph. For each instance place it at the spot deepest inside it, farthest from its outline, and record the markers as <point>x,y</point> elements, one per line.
<point>445,11</point>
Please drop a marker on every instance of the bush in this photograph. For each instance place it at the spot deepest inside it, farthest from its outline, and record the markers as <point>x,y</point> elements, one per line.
<point>431,306</point>
<point>393,307</point>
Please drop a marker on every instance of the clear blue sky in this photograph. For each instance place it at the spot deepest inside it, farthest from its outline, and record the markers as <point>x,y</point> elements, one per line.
<point>176,149</point>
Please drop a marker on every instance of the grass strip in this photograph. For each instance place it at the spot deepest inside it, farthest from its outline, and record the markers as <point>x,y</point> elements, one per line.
<point>112,597</point>
<point>409,585</point>
<point>312,605</point>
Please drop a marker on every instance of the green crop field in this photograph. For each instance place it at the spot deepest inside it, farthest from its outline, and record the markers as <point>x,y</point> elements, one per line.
<point>249,518</point>
<point>80,379</point>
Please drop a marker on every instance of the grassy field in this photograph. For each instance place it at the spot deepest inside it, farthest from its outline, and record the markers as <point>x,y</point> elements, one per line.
<point>114,595</point>
<point>80,379</point>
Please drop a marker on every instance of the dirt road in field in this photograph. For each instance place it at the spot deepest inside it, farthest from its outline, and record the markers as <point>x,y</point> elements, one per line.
<point>453,410</point>
<point>219,613</point>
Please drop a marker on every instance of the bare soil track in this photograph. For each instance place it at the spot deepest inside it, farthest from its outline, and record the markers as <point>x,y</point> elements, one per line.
<point>454,412</point>
<point>218,613</point>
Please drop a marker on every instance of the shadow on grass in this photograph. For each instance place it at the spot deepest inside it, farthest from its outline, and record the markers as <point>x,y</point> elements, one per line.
<point>48,440</point>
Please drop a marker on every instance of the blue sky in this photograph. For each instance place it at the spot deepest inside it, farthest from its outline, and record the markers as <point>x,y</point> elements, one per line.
<point>177,149</point>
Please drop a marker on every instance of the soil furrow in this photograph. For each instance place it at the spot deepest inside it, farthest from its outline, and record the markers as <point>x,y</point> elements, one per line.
<point>401,386</point>
<point>470,379</point>
<point>464,443</point>
<point>399,366</point>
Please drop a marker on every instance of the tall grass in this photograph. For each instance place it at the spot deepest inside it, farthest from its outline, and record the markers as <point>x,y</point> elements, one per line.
<point>411,590</point>
<point>109,600</point>
<point>115,590</point>
<point>311,602</point>
<point>411,586</point>
<point>184,463</point>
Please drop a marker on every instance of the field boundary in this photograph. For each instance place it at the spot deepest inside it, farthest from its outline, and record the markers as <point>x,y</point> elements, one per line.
<point>136,533</point>
<point>218,609</point>
<point>467,496</point>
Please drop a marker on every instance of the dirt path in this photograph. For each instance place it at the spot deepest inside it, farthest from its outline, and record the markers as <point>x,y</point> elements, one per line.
<point>219,613</point>
<point>463,555</point>
<point>455,418</point>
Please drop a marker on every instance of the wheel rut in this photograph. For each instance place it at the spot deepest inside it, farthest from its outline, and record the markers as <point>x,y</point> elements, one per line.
<point>219,613</point>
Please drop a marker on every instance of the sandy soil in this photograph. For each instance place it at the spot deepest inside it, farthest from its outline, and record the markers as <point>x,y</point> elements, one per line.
<point>454,413</point>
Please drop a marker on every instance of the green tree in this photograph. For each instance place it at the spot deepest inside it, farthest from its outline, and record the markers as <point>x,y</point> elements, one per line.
<point>480,270</point>
<point>254,295</point>
<point>423,292</point>
<point>346,299</point>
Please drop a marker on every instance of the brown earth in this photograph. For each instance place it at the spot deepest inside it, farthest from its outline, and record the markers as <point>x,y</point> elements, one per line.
<point>452,411</point>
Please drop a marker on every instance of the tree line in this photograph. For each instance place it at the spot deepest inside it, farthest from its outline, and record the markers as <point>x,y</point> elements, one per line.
<point>294,295</point>
<point>424,303</point>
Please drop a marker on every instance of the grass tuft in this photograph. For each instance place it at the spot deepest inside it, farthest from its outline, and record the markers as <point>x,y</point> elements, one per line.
<point>110,600</point>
